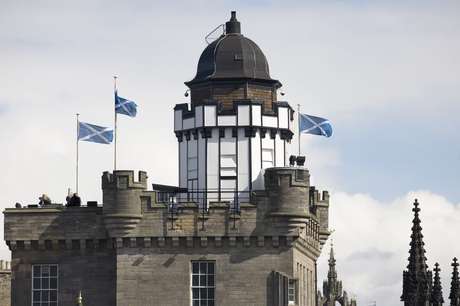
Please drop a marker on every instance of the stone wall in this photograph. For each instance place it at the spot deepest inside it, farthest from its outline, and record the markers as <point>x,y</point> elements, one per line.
<point>90,270</point>
<point>161,276</point>
<point>150,263</point>
<point>5,283</point>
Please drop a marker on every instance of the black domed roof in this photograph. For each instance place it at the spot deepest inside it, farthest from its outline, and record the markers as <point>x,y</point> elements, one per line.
<point>232,56</point>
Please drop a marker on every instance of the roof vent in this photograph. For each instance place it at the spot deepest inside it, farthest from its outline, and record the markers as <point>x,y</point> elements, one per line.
<point>233,26</point>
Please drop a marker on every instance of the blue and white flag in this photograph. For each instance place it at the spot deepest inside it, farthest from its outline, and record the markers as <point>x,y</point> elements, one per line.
<point>125,106</point>
<point>94,133</point>
<point>314,125</point>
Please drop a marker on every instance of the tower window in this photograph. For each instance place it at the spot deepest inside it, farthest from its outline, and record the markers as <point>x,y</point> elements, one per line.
<point>203,283</point>
<point>267,158</point>
<point>44,285</point>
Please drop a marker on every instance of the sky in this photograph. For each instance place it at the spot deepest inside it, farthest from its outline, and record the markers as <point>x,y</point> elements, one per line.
<point>386,74</point>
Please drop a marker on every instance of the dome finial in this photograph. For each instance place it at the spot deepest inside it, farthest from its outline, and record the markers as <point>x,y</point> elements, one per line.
<point>233,26</point>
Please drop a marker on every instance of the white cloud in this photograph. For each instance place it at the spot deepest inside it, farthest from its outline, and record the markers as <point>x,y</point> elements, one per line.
<point>372,238</point>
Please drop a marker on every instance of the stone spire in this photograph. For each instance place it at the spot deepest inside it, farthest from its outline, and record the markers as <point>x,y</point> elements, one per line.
<point>332,273</point>
<point>455,286</point>
<point>436,295</point>
<point>332,287</point>
<point>417,280</point>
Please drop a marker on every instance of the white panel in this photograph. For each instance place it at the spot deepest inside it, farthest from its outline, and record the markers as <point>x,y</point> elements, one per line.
<point>189,123</point>
<point>243,115</point>
<point>255,162</point>
<point>228,145</point>
<point>268,142</point>
<point>192,148</point>
<point>226,120</point>
<point>228,160</point>
<point>192,160</point>
<point>267,158</point>
<point>243,161</point>
<point>227,185</point>
<point>256,115</point>
<point>199,116</point>
<point>267,155</point>
<point>229,171</point>
<point>213,160</point>
<point>283,117</point>
<point>183,164</point>
<point>201,163</point>
<point>270,121</point>
<point>177,120</point>
<point>192,174</point>
<point>192,163</point>
<point>279,152</point>
<point>210,115</point>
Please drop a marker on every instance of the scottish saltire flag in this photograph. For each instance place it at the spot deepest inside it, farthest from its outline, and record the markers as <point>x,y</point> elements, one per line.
<point>125,106</point>
<point>94,133</point>
<point>314,125</point>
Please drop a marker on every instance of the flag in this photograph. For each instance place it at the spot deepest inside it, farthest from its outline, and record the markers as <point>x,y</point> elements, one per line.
<point>314,125</point>
<point>94,133</point>
<point>125,106</point>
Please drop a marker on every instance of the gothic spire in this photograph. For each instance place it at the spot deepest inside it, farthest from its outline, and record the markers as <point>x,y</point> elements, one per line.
<point>455,286</point>
<point>332,273</point>
<point>436,295</point>
<point>417,279</point>
<point>417,259</point>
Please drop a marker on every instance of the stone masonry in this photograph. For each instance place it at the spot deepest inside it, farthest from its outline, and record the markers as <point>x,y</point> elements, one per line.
<point>133,251</point>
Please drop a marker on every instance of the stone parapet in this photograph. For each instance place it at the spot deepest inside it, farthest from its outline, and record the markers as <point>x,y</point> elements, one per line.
<point>282,210</point>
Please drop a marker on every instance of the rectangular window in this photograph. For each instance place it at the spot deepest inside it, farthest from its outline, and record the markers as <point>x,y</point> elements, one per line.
<point>228,164</point>
<point>44,285</point>
<point>267,158</point>
<point>292,291</point>
<point>203,283</point>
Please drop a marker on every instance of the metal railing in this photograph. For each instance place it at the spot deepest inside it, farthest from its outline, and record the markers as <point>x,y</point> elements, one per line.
<point>202,198</point>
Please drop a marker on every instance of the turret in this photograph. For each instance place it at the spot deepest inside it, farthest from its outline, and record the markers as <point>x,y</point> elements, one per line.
<point>288,190</point>
<point>122,201</point>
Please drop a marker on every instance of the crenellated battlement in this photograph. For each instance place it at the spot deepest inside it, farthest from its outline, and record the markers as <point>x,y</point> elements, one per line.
<point>287,207</point>
<point>124,179</point>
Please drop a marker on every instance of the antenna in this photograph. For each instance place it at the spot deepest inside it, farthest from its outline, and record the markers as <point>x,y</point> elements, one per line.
<point>209,38</point>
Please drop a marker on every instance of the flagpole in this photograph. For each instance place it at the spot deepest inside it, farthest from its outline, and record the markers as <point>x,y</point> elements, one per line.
<point>76,168</point>
<point>298,126</point>
<point>115,125</point>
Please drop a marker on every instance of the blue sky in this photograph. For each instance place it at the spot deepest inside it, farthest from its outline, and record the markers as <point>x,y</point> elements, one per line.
<point>387,74</point>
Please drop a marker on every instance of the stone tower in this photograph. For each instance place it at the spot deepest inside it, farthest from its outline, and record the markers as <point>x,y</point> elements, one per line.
<point>243,226</point>
<point>332,287</point>
<point>417,279</point>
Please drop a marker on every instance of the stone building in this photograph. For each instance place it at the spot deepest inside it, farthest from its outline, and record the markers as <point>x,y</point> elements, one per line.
<point>332,288</point>
<point>419,286</point>
<point>5,283</point>
<point>243,227</point>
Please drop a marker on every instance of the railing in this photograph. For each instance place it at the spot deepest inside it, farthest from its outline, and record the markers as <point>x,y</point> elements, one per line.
<point>202,198</point>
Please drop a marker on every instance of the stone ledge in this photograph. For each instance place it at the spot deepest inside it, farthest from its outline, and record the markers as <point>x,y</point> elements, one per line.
<point>156,242</point>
